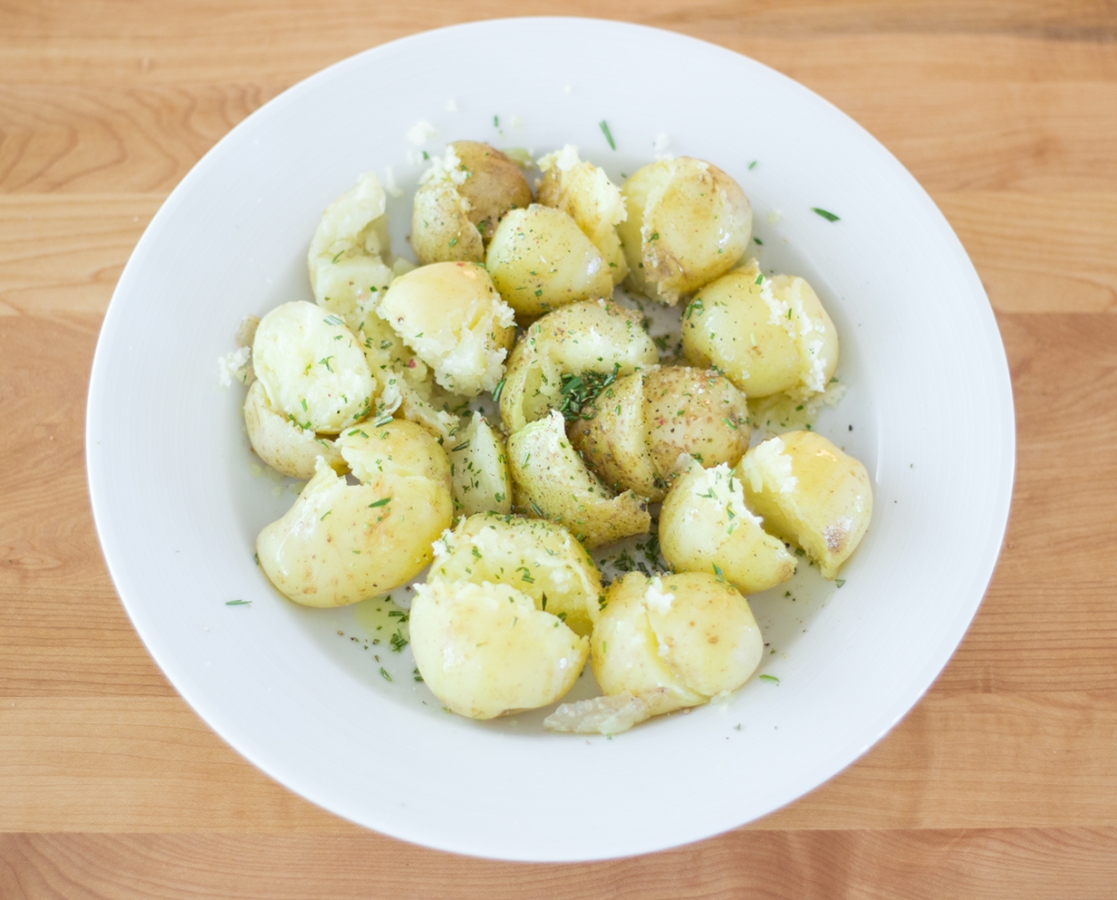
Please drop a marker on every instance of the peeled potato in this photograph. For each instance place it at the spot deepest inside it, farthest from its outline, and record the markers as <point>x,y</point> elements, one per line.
<point>553,482</point>
<point>312,368</point>
<point>452,317</point>
<point>810,493</point>
<point>674,640</point>
<point>538,558</point>
<point>484,650</point>
<point>595,336</point>
<point>585,193</point>
<point>343,543</point>
<point>349,254</point>
<point>687,223</point>
<point>766,334</point>
<point>704,526</point>
<point>540,260</point>
<point>282,444</point>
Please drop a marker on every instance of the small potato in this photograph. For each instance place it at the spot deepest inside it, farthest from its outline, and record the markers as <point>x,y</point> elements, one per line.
<point>553,482</point>
<point>595,336</point>
<point>674,640</point>
<point>313,368</point>
<point>538,558</point>
<point>349,254</point>
<point>767,334</point>
<point>585,193</point>
<point>687,223</point>
<point>282,444</point>
<point>343,543</point>
<point>452,317</point>
<point>479,466</point>
<point>540,260</point>
<point>811,493</point>
<point>484,650</point>
<point>704,526</point>
<point>461,200</point>
<point>640,426</point>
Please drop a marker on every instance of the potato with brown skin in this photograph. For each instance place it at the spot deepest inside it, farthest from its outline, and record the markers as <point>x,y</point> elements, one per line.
<point>811,493</point>
<point>641,425</point>
<point>461,200</point>
<point>342,543</point>
<point>552,482</point>
<point>687,223</point>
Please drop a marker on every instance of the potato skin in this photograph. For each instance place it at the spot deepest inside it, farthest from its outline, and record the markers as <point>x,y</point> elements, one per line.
<point>342,543</point>
<point>553,482</point>
<point>538,558</point>
<point>687,223</point>
<point>811,493</point>
<point>280,443</point>
<point>486,651</point>
<point>479,466</point>
<point>768,335</point>
<point>705,526</point>
<point>540,260</point>
<point>494,186</point>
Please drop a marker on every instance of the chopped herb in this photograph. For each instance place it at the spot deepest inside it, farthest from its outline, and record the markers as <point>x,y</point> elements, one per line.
<point>464,445</point>
<point>769,678</point>
<point>453,242</point>
<point>759,279</point>
<point>383,502</point>
<point>238,602</point>
<point>328,511</point>
<point>499,387</point>
<point>839,581</point>
<point>828,216</point>
<point>758,242</point>
<point>496,121</point>
<point>383,420</point>
<point>331,319</point>
<point>718,572</point>
<point>384,674</point>
<point>608,134</point>
<point>752,165</point>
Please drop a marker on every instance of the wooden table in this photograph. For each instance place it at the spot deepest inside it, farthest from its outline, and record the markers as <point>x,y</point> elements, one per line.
<point>1001,783</point>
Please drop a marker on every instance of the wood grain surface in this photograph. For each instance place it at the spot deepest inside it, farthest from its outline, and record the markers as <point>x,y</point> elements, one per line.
<point>1001,783</point>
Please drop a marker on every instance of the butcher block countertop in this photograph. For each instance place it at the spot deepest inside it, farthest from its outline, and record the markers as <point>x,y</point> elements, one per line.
<point>1000,783</point>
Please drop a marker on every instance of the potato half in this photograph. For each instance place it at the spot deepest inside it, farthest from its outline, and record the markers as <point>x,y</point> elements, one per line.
<point>811,493</point>
<point>552,482</point>
<point>484,650</point>
<point>538,558</point>
<point>343,543</point>
<point>687,223</point>
<point>704,526</point>
<point>282,444</point>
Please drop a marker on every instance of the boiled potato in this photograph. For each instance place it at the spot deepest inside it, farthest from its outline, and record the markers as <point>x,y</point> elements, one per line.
<point>687,223</point>
<point>639,427</point>
<point>452,317</point>
<point>596,336</point>
<point>484,650</point>
<point>671,641</point>
<point>553,482</point>
<point>460,200</point>
<point>479,466</point>
<point>343,543</point>
<point>585,193</point>
<point>538,558</point>
<point>540,260</point>
<point>312,368</point>
<point>281,443</point>
<point>811,493</point>
<point>704,526</point>
<point>349,254</point>
<point>766,334</point>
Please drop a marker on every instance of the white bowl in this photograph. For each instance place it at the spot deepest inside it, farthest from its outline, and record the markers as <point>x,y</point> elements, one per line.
<point>929,411</point>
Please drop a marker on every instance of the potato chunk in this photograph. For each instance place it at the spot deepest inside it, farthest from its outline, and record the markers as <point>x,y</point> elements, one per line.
<point>540,260</point>
<point>595,336</point>
<point>766,334</point>
<point>687,223</point>
<point>585,193</point>
<point>811,493</point>
<point>538,558</point>
<point>704,526</point>
<point>484,650</point>
<point>479,465</point>
<point>282,444</point>
<point>452,317</point>
<point>343,543</point>
<point>349,255</point>
<point>672,641</point>
<point>553,482</point>
<point>312,368</point>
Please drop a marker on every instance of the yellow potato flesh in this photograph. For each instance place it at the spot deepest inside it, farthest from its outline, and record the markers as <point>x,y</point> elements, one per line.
<point>486,651</point>
<point>811,493</point>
